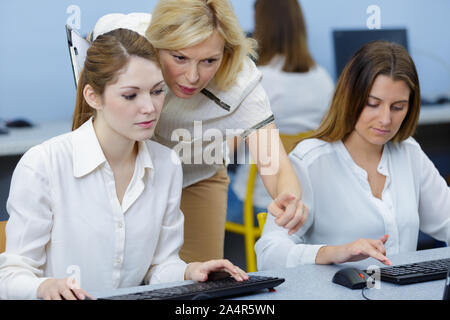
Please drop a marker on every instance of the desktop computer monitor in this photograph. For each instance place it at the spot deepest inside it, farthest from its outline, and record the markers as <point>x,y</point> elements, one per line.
<point>347,42</point>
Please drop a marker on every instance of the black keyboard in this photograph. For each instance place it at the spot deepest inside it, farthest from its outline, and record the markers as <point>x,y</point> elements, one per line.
<point>416,272</point>
<point>204,290</point>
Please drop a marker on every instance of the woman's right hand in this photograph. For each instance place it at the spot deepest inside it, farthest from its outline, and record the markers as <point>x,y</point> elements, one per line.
<point>354,251</point>
<point>61,289</point>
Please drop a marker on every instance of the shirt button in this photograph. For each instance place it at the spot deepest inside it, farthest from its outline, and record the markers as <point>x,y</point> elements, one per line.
<point>120,225</point>
<point>118,260</point>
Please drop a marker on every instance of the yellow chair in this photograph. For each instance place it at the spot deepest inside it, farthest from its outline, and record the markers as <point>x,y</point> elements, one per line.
<point>290,141</point>
<point>262,216</point>
<point>248,229</point>
<point>2,236</point>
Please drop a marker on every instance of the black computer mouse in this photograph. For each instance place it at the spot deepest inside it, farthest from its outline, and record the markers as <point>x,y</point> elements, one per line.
<point>18,123</point>
<point>351,278</point>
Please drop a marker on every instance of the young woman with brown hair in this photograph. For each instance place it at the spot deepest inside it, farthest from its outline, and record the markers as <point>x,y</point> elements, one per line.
<point>364,175</point>
<point>102,200</point>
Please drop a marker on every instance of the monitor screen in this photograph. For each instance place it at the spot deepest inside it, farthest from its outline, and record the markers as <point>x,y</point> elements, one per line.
<point>347,42</point>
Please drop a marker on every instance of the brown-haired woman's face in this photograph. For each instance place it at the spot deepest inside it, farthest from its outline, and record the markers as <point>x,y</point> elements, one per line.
<point>187,71</point>
<point>384,111</point>
<point>132,105</point>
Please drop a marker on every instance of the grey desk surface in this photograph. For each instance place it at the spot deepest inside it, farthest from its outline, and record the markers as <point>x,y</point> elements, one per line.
<point>19,140</point>
<point>313,282</point>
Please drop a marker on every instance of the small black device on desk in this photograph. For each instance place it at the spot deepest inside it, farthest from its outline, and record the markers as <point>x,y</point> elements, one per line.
<point>351,278</point>
<point>211,289</point>
<point>19,123</point>
<point>438,101</point>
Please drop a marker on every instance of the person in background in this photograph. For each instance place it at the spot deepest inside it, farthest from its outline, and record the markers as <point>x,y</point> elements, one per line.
<point>214,87</point>
<point>367,183</point>
<point>299,89</point>
<point>102,201</point>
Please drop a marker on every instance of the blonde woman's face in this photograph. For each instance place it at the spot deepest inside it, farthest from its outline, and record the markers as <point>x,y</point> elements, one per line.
<point>187,71</point>
<point>384,112</point>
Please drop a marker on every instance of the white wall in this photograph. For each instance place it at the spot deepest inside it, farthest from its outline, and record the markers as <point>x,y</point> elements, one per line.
<point>36,79</point>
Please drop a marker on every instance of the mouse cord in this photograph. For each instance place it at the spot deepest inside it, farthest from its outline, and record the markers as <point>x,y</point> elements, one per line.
<point>363,294</point>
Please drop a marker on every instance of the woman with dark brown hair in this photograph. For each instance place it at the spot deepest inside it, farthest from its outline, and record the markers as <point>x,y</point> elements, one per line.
<point>364,175</point>
<point>101,203</point>
<point>299,90</point>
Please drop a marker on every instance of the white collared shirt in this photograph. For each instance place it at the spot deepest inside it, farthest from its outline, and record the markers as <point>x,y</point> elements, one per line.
<point>342,208</point>
<point>65,218</point>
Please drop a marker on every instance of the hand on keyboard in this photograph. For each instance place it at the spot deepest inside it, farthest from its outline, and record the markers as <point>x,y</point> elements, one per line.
<point>199,271</point>
<point>61,289</point>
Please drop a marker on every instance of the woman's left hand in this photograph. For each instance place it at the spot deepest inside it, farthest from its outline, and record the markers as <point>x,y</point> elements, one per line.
<point>199,271</point>
<point>290,212</point>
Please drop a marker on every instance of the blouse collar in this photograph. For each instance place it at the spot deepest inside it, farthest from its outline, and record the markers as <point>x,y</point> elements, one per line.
<point>345,155</point>
<point>88,154</point>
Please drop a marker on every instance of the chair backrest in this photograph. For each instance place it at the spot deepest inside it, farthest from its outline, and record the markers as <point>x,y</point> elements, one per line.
<point>78,47</point>
<point>2,236</point>
<point>262,216</point>
<point>291,140</point>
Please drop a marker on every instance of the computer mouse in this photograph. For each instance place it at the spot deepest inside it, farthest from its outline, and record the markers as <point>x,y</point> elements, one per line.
<point>18,123</point>
<point>351,278</point>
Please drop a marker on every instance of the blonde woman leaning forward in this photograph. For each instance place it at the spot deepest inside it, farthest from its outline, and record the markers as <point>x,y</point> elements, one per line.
<point>101,201</point>
<point>369,186</point>
<point>214,95</point>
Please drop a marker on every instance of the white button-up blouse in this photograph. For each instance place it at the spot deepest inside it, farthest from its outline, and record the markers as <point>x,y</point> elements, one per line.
<point>65,217</point>
<point>342,208</point>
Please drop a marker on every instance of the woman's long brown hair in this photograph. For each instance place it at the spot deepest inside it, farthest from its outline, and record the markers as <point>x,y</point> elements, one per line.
<point>280,29</point>
<point>105,58</point>
<point>354,85</point>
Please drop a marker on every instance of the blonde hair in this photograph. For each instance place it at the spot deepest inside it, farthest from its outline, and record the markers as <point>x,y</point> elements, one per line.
<point>178,24</point>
